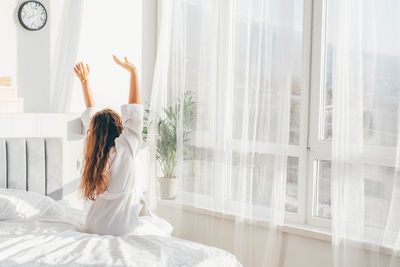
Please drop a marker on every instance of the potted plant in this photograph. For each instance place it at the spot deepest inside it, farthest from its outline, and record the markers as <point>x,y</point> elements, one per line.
<point>166,150</point>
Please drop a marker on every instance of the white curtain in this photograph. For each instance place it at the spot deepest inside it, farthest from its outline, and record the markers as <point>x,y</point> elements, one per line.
<point>64,56</point>
<point>365,132</point>
<point>228,74</point>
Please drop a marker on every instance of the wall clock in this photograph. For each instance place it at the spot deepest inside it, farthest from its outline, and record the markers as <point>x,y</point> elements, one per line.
<point>32,15</point>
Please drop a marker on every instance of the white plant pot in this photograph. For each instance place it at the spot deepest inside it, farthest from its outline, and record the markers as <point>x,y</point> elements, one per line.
<point>167,187</point>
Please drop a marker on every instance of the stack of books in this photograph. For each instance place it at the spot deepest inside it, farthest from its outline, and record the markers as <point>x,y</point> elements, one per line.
<point>9,101</point>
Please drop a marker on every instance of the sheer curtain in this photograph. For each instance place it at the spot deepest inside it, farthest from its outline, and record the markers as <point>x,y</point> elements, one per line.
<point>65,55</point>
<point>222,94</point>
<point>365,132</point>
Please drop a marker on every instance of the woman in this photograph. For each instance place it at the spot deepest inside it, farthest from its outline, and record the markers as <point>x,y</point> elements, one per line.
<point>108,176</point>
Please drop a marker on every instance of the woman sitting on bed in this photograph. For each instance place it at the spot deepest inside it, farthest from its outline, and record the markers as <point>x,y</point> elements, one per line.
<point>108,176</point>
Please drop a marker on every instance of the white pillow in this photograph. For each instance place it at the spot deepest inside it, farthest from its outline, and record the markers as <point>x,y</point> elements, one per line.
<point>19,204</point>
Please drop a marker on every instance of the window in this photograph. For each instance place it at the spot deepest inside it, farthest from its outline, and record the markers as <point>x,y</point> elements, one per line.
<point>262,163</point>
<point>201,163</point>
<point>308,187</point>
<point>379,61</point>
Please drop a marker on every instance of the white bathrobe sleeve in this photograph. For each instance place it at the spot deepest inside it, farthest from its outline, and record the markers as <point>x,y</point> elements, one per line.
<point>87,115</point>
<point>130,139</point>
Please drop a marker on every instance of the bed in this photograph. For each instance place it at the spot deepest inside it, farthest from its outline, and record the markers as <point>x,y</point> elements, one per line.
<point>38,228</point>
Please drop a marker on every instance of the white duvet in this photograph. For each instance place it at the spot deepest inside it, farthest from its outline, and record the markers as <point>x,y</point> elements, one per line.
<point>56,241</point>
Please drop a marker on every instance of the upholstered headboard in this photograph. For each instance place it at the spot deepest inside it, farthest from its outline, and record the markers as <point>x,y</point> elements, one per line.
<point>32,164</point>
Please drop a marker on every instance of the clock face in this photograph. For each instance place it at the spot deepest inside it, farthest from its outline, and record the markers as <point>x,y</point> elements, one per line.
<point>32,15</point>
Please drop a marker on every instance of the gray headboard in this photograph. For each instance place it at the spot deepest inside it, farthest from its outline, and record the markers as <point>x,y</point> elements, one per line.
<point>32,164</point>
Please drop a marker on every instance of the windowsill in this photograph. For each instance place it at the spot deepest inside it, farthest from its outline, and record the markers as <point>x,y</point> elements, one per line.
<point>307,231</point>
<point>299,230</point>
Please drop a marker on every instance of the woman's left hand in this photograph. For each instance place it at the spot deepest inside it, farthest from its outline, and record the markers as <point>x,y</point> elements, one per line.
<point>126,65</point>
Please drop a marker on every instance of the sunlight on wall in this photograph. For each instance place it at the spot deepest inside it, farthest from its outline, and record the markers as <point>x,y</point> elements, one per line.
<point>8,35</point>
<point>108,29</point>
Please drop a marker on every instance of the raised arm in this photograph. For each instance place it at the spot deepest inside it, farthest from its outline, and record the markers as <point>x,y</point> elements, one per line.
<point>132,114</point>
<point>134,88</point>
<point>83,74</point>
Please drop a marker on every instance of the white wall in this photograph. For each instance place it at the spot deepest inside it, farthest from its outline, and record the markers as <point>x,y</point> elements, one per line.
<point>8,37</point>
<point>299,249</point>
<point>149,46</point>
<point>109,27</point>
<point>25,56</point>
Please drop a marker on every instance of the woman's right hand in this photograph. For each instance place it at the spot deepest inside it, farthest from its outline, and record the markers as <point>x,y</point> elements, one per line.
<point>81,72</point>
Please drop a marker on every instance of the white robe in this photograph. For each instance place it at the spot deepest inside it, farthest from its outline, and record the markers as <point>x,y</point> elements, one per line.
<point>118,211</point>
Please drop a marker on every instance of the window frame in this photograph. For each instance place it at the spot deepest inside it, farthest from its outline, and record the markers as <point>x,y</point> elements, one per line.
<point>317,149</point>
<point>301,150</point>
<point>321,149</point>
<point>310,148</point>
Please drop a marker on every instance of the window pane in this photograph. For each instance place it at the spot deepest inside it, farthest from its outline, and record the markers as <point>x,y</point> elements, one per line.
<point>323,195</point>
<point>378,186</point>
<point>254,72</point>
<point>381,73</point>
<point>292,184</point>
<point>257,179</point>
<point>296,74</point>
<point>200,173</point>
<point>198,169</point>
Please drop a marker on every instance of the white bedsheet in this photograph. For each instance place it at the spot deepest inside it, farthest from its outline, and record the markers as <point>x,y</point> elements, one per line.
<point>56,241</point>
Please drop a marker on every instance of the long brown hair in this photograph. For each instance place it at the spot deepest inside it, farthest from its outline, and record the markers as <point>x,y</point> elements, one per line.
<point>106,125</point>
